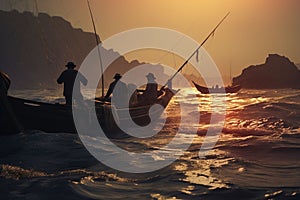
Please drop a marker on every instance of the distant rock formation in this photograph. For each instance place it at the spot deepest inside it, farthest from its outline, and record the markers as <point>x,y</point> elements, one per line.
<point>35,49</point>
<point>277,72</point>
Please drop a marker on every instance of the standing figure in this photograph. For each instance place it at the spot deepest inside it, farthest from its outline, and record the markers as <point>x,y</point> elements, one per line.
<point>71,86</point>
<point>119,90</point>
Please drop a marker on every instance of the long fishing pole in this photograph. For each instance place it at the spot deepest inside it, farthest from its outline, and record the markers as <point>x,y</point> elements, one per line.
<point>98,41</point>
<point>186,62</point>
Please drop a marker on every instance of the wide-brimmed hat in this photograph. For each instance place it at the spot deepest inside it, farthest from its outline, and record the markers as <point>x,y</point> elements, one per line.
<point>150,75</point>
<point>70,65</point>
<point>117,76</point>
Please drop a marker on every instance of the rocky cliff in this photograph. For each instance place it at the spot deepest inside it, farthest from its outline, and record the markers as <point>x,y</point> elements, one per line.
<point>277,72</point>
<point>35,49</point>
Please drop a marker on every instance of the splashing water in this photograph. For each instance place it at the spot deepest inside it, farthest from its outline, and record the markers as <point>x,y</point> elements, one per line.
<point>256,157</point>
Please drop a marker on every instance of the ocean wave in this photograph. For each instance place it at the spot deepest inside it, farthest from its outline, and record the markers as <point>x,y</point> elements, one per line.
<point>257,156</point>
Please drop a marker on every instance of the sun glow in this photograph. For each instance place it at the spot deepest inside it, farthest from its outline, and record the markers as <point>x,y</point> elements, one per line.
<point>254,29</point>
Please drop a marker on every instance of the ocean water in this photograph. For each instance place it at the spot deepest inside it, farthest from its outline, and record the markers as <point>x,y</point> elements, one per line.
<point>256,157</point>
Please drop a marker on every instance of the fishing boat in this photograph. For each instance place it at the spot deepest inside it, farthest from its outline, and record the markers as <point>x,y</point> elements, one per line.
<point>55,118</point>
<point>227,89</point>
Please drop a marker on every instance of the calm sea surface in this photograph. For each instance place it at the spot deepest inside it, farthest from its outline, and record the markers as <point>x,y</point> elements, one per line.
<point>256,157</point>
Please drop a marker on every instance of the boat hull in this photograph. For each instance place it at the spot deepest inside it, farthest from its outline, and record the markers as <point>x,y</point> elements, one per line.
<point>57,118</point>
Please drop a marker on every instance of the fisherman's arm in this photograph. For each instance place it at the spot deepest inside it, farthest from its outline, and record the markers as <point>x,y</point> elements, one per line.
<point>60,79</point>
<point>110,90</point>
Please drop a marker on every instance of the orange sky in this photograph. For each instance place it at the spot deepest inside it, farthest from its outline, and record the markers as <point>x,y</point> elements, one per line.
<point>254,29</point>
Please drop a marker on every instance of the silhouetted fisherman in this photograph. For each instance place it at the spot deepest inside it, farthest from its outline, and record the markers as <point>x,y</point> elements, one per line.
<point>119,90</point>
<point>150,94</point>
<point>6,111</point>
<point>71,86</point>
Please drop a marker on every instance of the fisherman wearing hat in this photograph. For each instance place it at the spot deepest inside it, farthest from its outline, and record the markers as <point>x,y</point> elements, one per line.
<point>150,94</point>
<point>71,86</point>
<point>119,90</point>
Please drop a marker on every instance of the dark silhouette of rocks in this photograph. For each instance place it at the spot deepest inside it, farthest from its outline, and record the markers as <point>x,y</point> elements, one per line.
<point>35,49</point>
<point>277,72</point>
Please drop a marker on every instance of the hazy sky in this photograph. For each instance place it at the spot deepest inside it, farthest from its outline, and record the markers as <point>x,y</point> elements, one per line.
<point>254,29</point>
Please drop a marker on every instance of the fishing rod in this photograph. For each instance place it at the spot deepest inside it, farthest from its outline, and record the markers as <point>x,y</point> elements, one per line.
<point>98,41</point>
<point>186,62</point>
